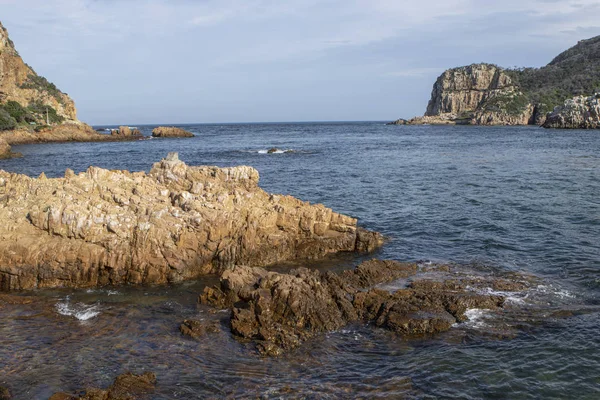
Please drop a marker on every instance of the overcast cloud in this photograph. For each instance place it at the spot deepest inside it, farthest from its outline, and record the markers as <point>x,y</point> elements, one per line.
<point>178,61</point>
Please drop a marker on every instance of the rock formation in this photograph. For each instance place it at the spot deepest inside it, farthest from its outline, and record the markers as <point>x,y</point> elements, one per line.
<point>127,386</point>
<point>164,131</point>
<point>279,311</point>
<point>177,222</point>
<point>580,112</point>
<point>479,94</point>
<point>125,131</point>
<point>20,83</point>
<point>485,94</point>
<point>6,151</point>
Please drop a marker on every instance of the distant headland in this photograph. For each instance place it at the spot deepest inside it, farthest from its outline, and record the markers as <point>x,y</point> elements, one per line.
<point>561,94</point>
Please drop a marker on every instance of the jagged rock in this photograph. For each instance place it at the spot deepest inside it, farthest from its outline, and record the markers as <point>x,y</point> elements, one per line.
<point>127,386</point>
<point>580,112</point>
<point>6,151</point>
<point>125,131</point>
<point>67,132</point>
<point>279,311</point>
<point>177,222</point>
<point>164,131</point>
<point>20,83</point>
<point>197,329</point>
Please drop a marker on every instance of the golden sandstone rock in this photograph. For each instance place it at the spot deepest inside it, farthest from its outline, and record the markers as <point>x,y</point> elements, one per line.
<point>170,131</point>
<point>177,222</point>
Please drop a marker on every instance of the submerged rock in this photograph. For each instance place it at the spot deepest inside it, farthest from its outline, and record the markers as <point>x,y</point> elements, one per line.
<point>580,112</point>
<point>196,329</point>
<point>164,131</point>
<point>127,386</point>
<point>177,222</point>
<point>279,311</point>
<point>4,393</point>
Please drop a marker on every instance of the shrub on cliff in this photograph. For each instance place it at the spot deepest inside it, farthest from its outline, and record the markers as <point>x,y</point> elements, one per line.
<point>18,112</point>
<point>574,72</point>
<point>6,121</point>
<point>42,110</point>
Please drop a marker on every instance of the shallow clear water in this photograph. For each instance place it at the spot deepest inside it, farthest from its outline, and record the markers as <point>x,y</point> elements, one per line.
<point>496,199</point>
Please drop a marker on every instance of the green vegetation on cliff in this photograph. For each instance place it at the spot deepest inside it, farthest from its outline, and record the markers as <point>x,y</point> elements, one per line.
<point>574,72</point>
<point>13,115</point>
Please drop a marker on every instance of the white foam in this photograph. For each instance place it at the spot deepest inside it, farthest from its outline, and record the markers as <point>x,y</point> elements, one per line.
<point>476,317</point>
<point>81,311</point>
<point>277,151</point>
<point>563,294</point>
<point>509,297</point>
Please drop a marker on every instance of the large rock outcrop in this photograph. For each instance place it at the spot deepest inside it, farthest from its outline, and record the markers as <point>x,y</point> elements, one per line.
<point>176,222</point>
<point>20,83</point>
<point>580,112</point>
<point>171,131</point>
<point>279,311</point>
<point>462,90</point>
<point>478,94</point>
<point>485,94</point>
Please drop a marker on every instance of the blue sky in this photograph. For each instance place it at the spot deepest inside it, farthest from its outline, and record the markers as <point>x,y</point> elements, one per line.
<point>184,61</point>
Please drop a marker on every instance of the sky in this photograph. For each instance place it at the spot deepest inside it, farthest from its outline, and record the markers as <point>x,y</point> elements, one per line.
<point>205,61</point>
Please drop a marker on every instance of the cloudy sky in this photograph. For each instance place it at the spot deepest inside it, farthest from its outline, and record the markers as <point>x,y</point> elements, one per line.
<point>184,61</point>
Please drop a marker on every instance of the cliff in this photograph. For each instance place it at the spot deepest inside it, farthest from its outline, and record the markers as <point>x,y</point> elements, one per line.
<point>485,94</point>
<point>20,84</point>
<point>580,112</point>
<point>176,222</point>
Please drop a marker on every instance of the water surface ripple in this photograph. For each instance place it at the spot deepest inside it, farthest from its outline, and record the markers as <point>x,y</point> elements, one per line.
<point>492,199</point>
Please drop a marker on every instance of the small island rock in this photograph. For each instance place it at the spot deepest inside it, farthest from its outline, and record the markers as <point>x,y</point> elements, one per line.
<point>170,131</point>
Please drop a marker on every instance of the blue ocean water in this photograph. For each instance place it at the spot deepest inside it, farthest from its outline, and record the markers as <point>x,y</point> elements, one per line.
<point>500,199</point>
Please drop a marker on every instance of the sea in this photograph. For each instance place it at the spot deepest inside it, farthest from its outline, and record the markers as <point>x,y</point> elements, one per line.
<point>494,200</point>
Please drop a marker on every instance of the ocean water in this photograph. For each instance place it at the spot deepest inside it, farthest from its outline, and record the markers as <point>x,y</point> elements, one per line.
<point>490,199</point>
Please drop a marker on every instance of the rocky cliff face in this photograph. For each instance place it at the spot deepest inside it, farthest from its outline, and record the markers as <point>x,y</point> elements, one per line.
<point>463,90</point>
<point>481,94</point>
<point>177,222</point>
<point>485,94</point>
<point>580,112</point>
<point>20,83</point>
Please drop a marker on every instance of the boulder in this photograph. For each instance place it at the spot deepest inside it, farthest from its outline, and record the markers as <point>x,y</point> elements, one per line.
<point>279,311</point>
<point>6,152</point>
<point>125,131</point>
<point>176,222</point>
<point>164,131</point>
<point>127,386</point>
<point>580,112</point>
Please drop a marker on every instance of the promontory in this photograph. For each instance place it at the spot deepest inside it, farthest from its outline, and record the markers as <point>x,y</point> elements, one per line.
<point>486,94</point>
<point>34,110</point>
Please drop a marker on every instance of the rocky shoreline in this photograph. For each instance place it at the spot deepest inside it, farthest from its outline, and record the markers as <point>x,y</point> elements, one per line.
<point>177,222</point>
<point>279,311</point>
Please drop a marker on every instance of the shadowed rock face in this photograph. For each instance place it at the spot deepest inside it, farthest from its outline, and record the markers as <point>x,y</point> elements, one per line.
<point>177,222</point>
<point>280,311</point>
<point>127,386</point>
